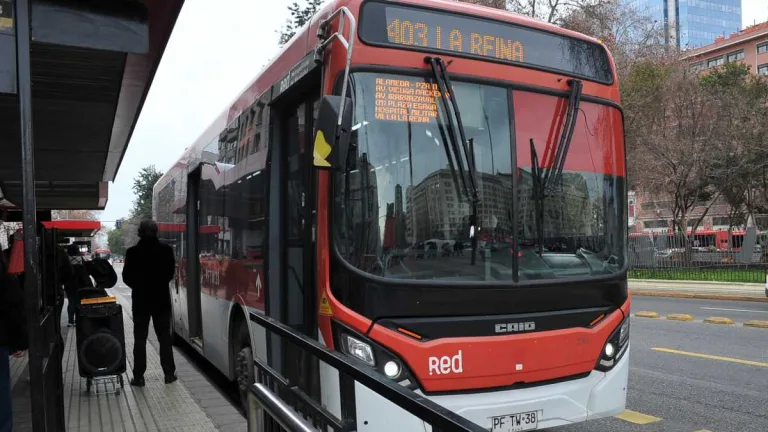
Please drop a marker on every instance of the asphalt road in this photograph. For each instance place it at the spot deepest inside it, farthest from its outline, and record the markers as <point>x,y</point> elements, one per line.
<point>693,376</point>
<point>739,311</point>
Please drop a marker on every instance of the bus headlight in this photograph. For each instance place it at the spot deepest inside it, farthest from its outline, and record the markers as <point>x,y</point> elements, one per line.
<point>615,347</point>
<point>379,358</point>
<point>358,349</point>
<point>392,369</point>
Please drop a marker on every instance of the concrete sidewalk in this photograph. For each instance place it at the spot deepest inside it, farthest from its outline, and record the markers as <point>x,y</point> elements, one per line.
<point>698,289</point>
<point>190,404</point>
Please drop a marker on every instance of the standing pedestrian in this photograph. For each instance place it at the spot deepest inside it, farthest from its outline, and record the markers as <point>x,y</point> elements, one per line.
<point>6,232</point>
<point>78,280</point>
<point>13,339</point>
<point>148,270</point>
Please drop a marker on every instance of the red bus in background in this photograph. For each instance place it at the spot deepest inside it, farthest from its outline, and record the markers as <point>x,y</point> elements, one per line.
<point>416,121</point>
<point>103,253</point>
<point>704,240</point>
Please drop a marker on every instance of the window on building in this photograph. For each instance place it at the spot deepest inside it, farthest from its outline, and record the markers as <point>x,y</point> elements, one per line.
<point>659,223</point>
<point>717,61</point>
<point>762,48</point>
<point>762,69</point>
<point>736,56</point>
<point>720,220</point>
<point>697,66</point>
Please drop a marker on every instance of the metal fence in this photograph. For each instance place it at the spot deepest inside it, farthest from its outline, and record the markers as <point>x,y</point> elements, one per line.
<point>674,256</point>
<point>275,404</point>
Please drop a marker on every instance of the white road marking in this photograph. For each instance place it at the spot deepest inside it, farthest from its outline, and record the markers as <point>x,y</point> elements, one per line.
<point>734,310</point>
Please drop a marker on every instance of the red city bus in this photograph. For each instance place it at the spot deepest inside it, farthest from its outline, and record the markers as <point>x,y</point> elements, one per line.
<point>103,253</point>
<point>458,124</point>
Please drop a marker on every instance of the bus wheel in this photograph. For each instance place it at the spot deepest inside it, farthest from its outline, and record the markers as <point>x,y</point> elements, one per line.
<point>244,367</point>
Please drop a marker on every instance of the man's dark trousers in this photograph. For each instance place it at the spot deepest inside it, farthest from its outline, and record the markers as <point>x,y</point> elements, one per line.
<point>161,320</point>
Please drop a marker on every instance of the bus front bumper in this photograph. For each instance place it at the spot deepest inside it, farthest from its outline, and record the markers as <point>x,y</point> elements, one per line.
<point>601,394</point>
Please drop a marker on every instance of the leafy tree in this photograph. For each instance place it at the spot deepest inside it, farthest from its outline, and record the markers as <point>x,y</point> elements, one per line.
<point>142,190</point>
<point>115,241</point>
<point>739,148</point>
<point>300,15</point>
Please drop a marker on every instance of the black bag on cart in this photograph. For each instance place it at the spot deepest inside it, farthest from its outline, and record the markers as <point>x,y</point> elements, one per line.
<point>100,335</point>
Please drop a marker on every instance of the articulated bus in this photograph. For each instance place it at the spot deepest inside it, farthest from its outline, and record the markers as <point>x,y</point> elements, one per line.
<point>383,126</point>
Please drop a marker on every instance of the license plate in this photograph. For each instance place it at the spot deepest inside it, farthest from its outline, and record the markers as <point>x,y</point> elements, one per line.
<point>515,422</point>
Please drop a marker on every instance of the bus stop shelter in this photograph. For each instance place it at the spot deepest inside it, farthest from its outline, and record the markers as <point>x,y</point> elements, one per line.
<point>73,78</point>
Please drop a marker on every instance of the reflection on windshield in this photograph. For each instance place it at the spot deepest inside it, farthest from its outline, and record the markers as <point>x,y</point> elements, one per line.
<point>400,212</point>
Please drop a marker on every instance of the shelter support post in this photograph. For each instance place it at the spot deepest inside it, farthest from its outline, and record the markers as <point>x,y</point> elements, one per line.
<point>43,320</point>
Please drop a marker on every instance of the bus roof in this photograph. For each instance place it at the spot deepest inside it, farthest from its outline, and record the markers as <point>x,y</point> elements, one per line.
<point>303,43</point>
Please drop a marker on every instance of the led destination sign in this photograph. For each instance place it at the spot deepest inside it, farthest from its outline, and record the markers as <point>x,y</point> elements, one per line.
<point>438,31</point>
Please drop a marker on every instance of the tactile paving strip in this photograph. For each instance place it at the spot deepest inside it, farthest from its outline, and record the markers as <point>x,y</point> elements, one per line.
<point>156,407</point>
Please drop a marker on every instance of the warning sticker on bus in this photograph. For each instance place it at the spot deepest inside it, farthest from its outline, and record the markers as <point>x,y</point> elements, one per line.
<point>325,306</point>
<point>406,101</point>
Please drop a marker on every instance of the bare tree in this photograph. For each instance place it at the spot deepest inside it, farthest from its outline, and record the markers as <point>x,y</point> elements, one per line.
<point>498,4</point>
<point>74,215</point>
<point>551,11</point>
<point>671,131</point>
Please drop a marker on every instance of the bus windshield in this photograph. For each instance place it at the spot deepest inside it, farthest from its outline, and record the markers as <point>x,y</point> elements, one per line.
<point>401,212</point>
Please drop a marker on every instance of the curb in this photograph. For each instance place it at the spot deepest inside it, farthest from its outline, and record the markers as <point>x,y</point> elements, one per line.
<point>756,324</point>
<point>646,314</point>
<point>718,320</point>
<point>676,294</point>
<point>679,317</point>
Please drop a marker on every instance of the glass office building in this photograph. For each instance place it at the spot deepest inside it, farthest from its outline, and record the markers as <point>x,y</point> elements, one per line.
<point>692,23</point>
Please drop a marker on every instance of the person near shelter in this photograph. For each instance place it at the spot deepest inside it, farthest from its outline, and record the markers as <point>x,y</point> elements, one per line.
<point>13,339</point>
<point>6,231</point>
<point>78,280</point>
<point>148,269</point>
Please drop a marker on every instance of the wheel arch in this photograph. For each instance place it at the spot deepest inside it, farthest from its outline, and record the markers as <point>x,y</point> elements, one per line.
<point>237,317</point>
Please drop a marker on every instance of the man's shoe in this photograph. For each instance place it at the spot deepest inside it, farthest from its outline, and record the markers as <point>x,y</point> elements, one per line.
<point>138,382</point>
<point>171,378</point>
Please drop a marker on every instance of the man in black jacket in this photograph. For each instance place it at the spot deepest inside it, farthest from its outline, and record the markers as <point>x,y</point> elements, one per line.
<point>13,339</point>
<point>148,269</point>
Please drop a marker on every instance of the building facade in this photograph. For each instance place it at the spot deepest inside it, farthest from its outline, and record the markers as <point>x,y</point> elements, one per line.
<point>692,23</point>
<point>749,46</point>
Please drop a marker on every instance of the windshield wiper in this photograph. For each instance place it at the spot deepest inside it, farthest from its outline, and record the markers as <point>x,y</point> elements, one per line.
<point>543,179</point>
<point>458,149</point>
<point>458,141</point>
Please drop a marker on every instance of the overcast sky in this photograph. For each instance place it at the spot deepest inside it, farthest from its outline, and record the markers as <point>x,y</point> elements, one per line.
<point>213,54</point>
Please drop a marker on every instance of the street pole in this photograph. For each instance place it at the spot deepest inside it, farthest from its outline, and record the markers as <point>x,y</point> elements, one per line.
<point>22,26</point>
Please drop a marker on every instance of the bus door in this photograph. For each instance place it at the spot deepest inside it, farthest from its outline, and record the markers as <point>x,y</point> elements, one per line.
<point>298,293</point>
<point>193,286</point>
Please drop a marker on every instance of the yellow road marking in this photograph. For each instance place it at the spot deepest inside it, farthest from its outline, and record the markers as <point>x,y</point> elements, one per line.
<point>718,320</point>
<point>646,314</point>
<point>679,317</point>
<point>637,418</point>
<point>712,357</point>
<point>756,323</point>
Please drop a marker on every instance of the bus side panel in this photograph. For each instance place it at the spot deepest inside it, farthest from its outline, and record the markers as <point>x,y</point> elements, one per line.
<point>181,320</point>
<point>215,327</point>
<point>258,336</point>
<point>330,389</point>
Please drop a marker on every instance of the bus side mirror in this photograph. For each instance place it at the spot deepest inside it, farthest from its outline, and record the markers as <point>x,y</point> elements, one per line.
<point>329,151</point>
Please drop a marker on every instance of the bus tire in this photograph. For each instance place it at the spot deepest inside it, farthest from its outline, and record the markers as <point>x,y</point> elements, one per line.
<point>244,368</point>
